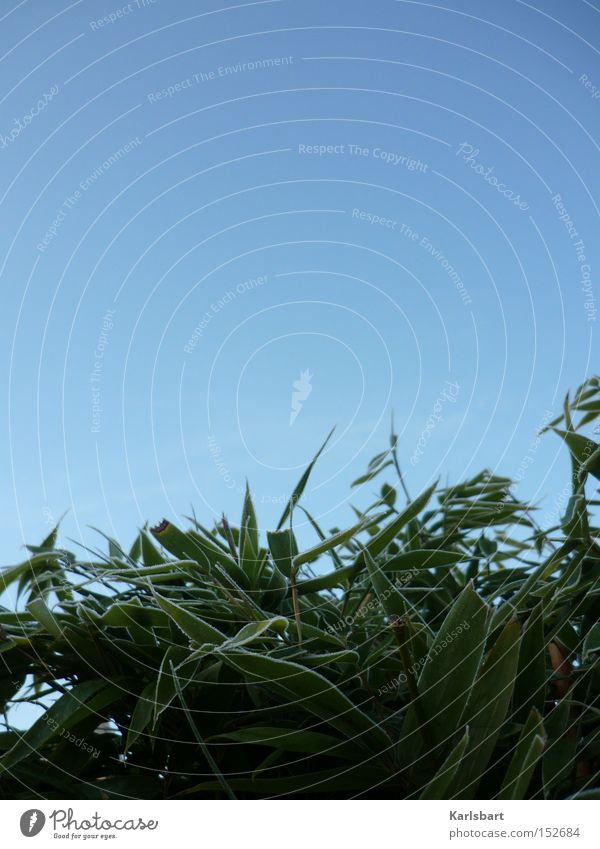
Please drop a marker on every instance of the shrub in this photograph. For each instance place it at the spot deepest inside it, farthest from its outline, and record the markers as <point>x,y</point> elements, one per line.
<point>450,650</point>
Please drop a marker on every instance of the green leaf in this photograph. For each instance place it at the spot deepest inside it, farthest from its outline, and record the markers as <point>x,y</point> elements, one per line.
<point>575,522</point>
<point>40,611</point>
<point>322,536</point>
<point>235,593</point>
<point>283,548</point>
<point>211,761</point>
<point>440,786</point>
<point>487,709</point>
<point>301,740</point>
<point>165,572</point>
<point>249,523</point>
<point>249,545</point>
<point>142,714</point>
<point>11,573</point>
<point>317,637</point>
<point>124,614</point>
<point>310,691</point>
<point>526,756</point>
<point>521,597</point>
<point>82,700</point>
<point>390,598</point>
<point>325,658</point>
<point>165,689</point>
<point>255,630</point>
<point>10,684</point>
<point>584,451</point>
<point>326,582</point>
<point>150,555</point>
<point>372,473</point>
<point>301,485</point>
<point>558,762</point>
<point>135,552</point>
<point>191,545</point>
<point>327,544</point>
<point>448,674</point>
<point>388,494</point>
<point>530,685</point>
<point>276,589</point>
<point>559,757</point>
<point>592,641</point>
<point>192,626</point>
<point>381,541</point>
<point>306,785</point>
<point>182,545</point>
<point>424,559</point>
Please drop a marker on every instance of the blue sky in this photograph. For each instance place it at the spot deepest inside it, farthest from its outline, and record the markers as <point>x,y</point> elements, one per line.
<point>199,204</point>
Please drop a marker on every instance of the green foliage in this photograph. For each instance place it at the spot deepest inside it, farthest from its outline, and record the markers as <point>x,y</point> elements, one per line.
<point>446,648</point>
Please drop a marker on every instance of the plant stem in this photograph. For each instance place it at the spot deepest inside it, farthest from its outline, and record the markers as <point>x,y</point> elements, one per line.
<point>295,604</point>
<point>212,763</point>
<point>230,540</point>
<point>399,629</point>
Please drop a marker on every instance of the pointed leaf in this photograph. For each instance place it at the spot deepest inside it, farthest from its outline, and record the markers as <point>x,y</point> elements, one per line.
<point>301,485</point>
<point>311,691</point>
<point>530,685</point>
<point>81,701</point>
<point>192,626</point>
<point>283,548</point>
<point>255,630</point>
<point>487,709</point>
<point>448,673</point>
<point>440,785</point>
<point>527,754</point>
<point>142,714</point>
<point>327,544</point>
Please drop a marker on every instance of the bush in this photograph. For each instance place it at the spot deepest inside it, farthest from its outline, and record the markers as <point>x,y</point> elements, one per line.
<point>450,650</point>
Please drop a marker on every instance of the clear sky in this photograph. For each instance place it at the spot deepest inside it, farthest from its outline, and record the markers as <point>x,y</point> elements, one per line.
<point>226,229</point>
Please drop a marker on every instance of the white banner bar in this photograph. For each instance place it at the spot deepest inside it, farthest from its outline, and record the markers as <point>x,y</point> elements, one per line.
<point>318,824</point>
